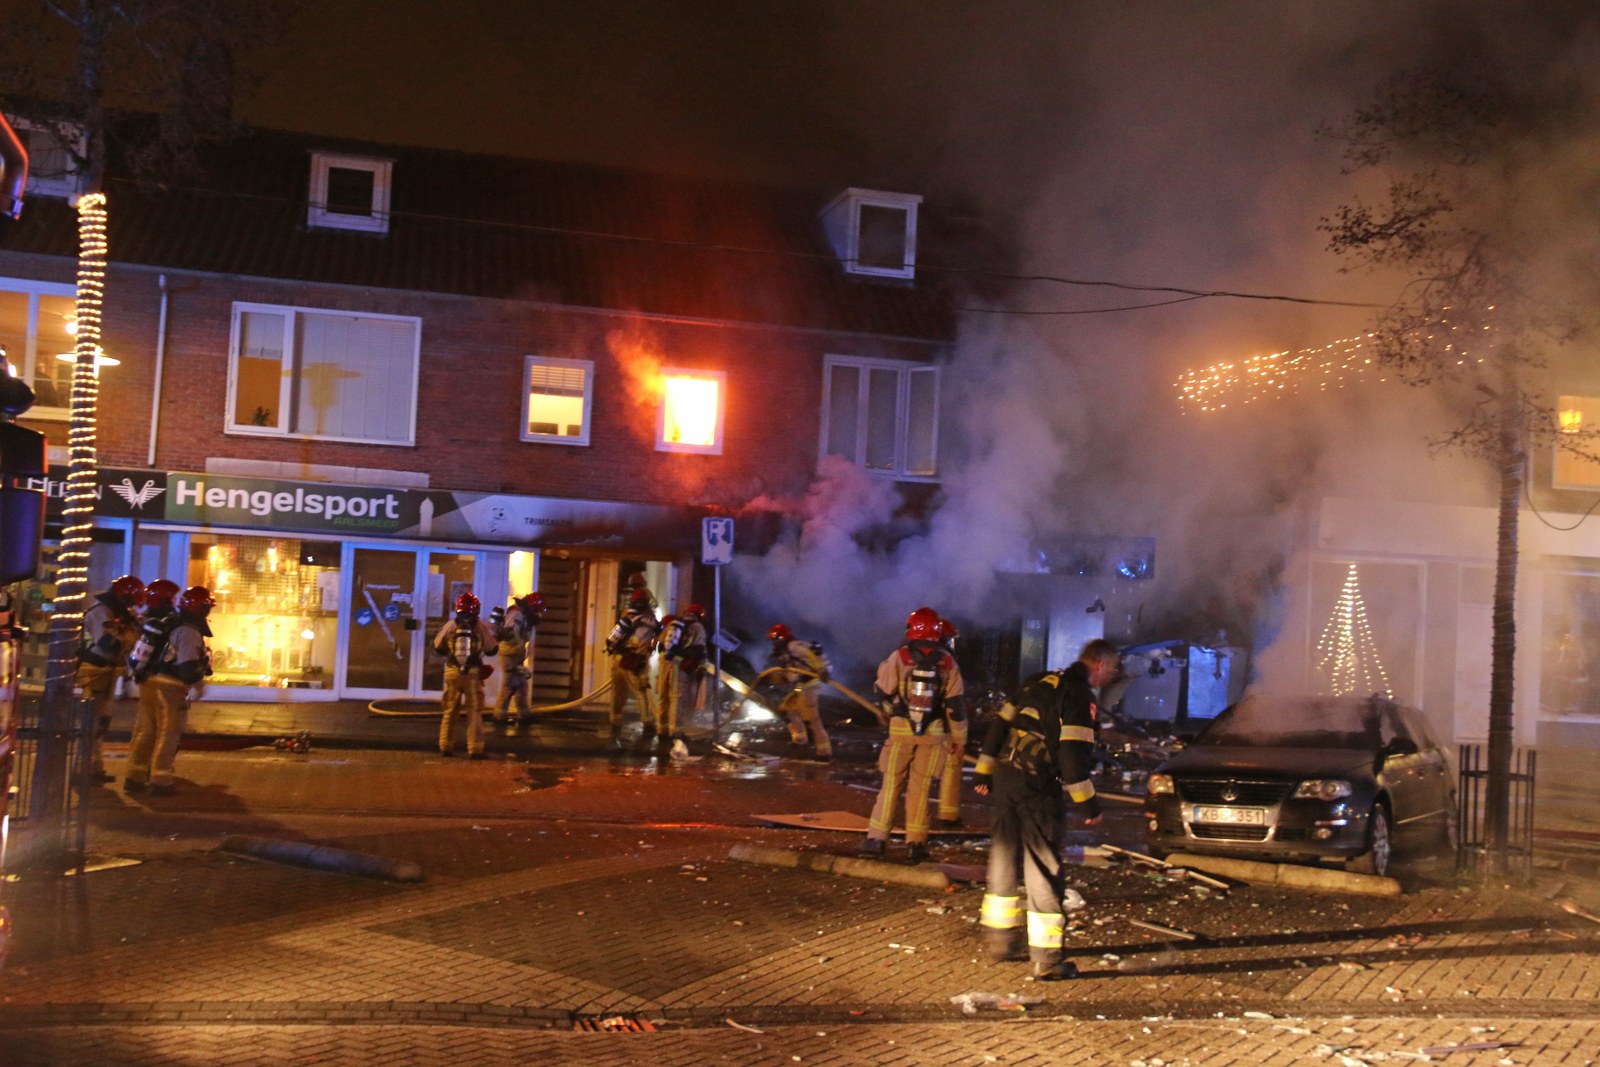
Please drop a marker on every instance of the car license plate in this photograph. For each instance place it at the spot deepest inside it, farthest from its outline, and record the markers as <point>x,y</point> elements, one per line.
<point>1244,816</point>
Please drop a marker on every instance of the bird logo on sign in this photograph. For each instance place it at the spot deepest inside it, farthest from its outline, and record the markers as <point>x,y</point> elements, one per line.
<point>138,498</point>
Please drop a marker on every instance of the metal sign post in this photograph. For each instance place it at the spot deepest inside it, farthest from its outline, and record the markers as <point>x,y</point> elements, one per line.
<point>716,550</point>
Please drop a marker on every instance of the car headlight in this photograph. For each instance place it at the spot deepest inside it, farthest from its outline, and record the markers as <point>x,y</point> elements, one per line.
<point>1323,789</point>
<point>1157,784</point>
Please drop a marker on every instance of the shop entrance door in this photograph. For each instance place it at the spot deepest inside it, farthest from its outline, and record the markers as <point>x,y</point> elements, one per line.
<point>399,598</point>
<point>381,635</point>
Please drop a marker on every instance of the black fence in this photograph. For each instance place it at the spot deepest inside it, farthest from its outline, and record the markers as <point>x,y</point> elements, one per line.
<point>51,830</point>
<point>1472,810</point>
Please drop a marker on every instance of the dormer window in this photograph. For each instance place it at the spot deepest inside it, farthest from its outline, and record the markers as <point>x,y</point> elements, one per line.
<point>53,154</point>
<point>874,232</point>
<point>349,193</point>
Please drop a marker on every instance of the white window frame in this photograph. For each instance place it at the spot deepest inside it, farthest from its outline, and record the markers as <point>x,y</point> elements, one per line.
<point>319,215</point>
<point>66,186</point>
<point>905,370</point>
<point>291,316</point>
<point>26,362</point>
<point>721,378</point>
<point>586,366</point>
<point>842,220</point>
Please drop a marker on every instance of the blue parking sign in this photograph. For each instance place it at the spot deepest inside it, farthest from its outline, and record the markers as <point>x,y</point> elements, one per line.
<point>716,541</point>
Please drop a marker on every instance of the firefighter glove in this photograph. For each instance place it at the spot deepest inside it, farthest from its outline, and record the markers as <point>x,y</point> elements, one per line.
<point>1090,809</point>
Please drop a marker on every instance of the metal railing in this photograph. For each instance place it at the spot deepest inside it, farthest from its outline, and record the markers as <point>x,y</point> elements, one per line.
<point>1472,810</point>
<point>60,839</point>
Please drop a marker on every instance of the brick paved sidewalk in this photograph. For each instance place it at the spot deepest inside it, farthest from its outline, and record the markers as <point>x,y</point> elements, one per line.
<point>585,893</point>
<point>1289,1042</point>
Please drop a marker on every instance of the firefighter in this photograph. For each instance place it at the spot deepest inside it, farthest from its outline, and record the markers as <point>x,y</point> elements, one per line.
<point>956,749</point>
<point>513,631</point>
<point>920,688</point>
<point>629,645</point>
<point>790,657</point>
<point>169,660</point>
<point>636,584</point>
<point>681,681</point>
<point>466,642</point>
<point>110,627</point>
<point>1035,748</point>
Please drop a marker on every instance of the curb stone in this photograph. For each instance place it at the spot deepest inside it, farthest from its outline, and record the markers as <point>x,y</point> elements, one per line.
<point>849,866</point>
<point>1290,875</point>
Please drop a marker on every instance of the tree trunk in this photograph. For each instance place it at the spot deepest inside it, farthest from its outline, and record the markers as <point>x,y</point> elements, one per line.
<point>1502,670</point>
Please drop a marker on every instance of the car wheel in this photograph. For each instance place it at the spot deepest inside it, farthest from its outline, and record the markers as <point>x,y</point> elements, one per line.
<point>1375,860</point>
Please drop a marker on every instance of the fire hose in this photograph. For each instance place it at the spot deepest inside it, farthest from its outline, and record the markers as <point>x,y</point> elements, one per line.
<point>376,708</point>
<point>748,690</point>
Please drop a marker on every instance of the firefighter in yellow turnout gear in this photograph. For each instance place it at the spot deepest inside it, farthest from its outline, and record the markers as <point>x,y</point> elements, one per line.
<point>169,660</point>
<point>680,678</point>
<point>109,630</point>
<point>1036,748</point>
<point>630,644</point>
<point>921,689</point>
<point>466,642</point>
<point>790,656</point>
<point>955,751</point>
<point>513,630</point>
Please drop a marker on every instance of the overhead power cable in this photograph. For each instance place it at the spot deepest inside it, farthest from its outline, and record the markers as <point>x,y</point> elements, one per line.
<point>1184,294</point>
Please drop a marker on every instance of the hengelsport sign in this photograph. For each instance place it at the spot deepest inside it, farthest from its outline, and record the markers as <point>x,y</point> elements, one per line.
<point>237,502</point>
<point>225,501</point>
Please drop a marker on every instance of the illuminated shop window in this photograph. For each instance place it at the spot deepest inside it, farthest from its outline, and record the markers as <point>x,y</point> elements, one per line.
<point>298,372</point>
<point>1578,414</point>
<point>275,624</point>
<point>556,399</point>
<point>691,411</point>
<point>882,415</point>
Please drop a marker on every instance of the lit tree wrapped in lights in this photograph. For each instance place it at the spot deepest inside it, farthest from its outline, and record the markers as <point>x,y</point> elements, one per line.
<point>1347,655</point>
<point>175,56</point>
<point>1465,219</point>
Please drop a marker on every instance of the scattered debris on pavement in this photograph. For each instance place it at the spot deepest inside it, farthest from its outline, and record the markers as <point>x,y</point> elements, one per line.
<point>972,1003</point>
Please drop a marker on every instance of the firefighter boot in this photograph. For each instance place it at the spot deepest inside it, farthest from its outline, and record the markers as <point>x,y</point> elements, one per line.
<point>918,853</point>
<point>1059,971</point>
<point>1001,945</point>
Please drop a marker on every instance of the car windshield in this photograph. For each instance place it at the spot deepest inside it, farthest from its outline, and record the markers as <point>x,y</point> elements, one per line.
<point>1305,722</point>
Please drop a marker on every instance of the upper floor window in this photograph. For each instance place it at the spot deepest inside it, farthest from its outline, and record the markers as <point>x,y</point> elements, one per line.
<point>38,321</point>
<point>691,411</point>
<point>298,372</point>
<point>349,193</point>
<point>53,153</point>
<point>1578,414</point>
<point>874,232</point>
<point>557,397</point>
<point>882,415</point>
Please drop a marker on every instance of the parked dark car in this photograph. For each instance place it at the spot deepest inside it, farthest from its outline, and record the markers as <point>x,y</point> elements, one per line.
<point>1305,779</point>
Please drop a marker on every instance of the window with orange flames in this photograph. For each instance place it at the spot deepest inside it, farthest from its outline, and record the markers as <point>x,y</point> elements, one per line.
<point>692,403</point>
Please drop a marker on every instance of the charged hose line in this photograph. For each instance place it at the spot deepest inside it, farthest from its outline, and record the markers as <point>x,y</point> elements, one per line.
<point>375,708</point>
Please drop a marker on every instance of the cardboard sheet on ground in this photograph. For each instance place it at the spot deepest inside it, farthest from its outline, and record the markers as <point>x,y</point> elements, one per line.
<point>851,823</point>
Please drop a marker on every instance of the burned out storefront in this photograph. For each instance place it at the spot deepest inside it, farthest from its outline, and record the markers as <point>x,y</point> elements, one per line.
<point>327,591</point>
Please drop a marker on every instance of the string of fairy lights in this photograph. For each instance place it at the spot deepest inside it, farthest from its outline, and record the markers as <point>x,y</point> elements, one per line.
<point>1323,367</point>
<point>1253,378</point>
<point>72,560</point>
<point>1347,653</point>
